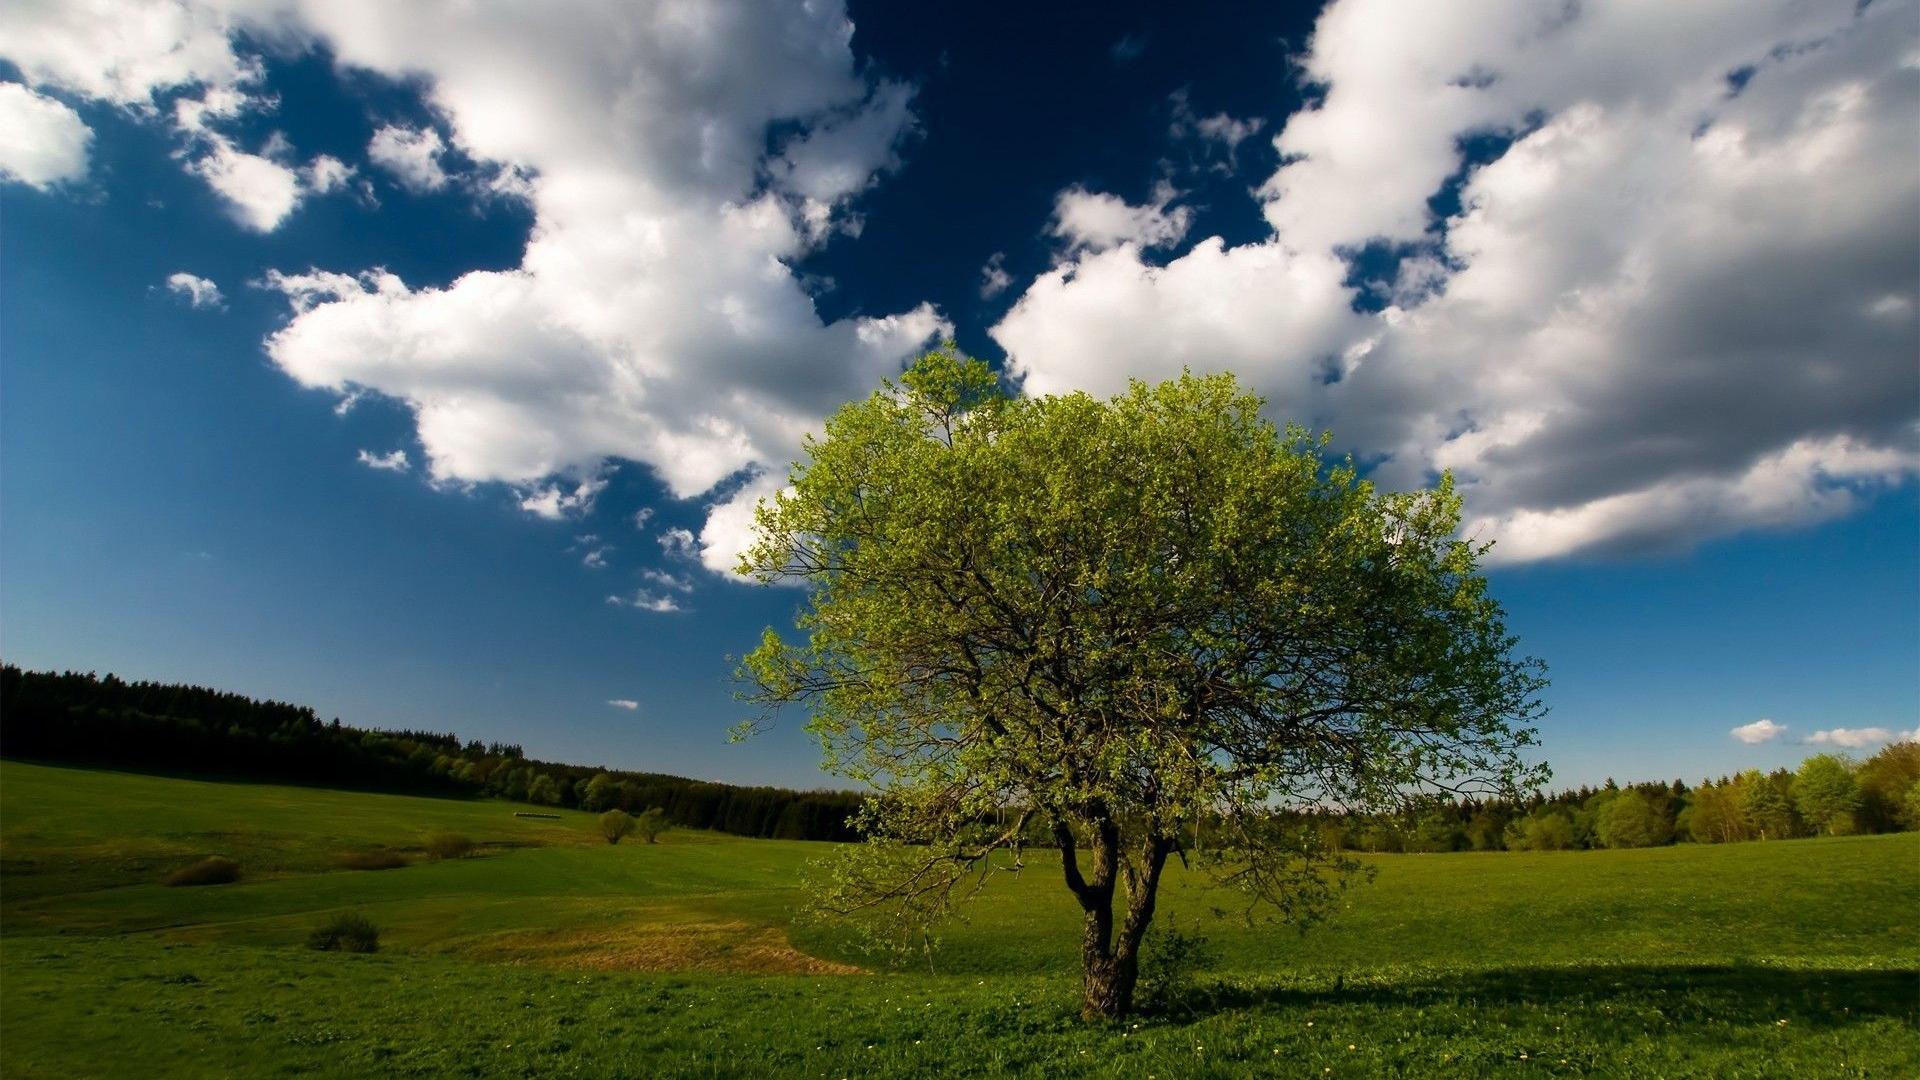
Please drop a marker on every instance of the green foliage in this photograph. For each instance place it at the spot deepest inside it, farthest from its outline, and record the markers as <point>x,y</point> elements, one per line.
<point>1121,618</point>
<point>1170,963</point>
<point>1884,779</point>
<point>615,824</point>
<point>1550,831</point>
<point>212,870</point>
<point>601,793</point>
<point>348,931</point>
<point>448,845</point>
<point>1826,795</point>
<point>1630,820</point>
<point>544,790</point>
<point>651,824</point>
<point>1767,804</point>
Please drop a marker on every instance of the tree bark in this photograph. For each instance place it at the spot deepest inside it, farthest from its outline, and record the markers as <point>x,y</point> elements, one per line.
<point>1110,962</point>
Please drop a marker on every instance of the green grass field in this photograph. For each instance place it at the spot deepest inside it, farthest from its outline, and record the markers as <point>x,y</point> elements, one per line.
<point>551,953</point>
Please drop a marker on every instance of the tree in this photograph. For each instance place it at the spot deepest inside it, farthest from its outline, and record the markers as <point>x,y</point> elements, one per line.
<point>1630,819</point>
<point>1826,794</point>
<point>1550,830</point>
<point>1713,814</point>
<point>1884,781</point>
<point>615,824</point>
<point>544,790</point>
<point>651,824</point>
<point>600,793</point>
<point>1767,804</point>
<point>1116,619</point>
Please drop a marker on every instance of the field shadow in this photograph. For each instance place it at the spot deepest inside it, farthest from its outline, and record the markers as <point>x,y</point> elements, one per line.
<point>1739,994</point>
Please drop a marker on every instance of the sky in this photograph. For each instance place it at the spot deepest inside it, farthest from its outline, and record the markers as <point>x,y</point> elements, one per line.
<point>422,362</point>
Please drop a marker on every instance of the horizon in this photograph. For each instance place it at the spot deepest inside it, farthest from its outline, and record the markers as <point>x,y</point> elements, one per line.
<point>338,373</point>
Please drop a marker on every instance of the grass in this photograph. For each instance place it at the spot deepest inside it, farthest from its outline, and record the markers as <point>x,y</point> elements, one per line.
<point>554,953</point>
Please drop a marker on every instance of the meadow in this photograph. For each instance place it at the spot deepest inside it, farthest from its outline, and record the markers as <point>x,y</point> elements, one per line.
<point>551,953</point>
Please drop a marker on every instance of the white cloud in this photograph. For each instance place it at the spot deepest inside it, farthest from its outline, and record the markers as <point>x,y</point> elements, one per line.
<point>42,141</point>
<point>560,499</point>
<point>1092,221</point>
<point>624,703</point>
<point>1661,313</point>
<point>1227,131</point>
<point>647,600</point>
<point>197,291</point>
<point>392,461</point>
<point>1858,738</point>
<point>642,516</point>
<point>668,581</point>
<point>326,174</point>
<point>679,542</point>
<point>411,155</point>
<point>994,278</point>
<point>1758,732</point>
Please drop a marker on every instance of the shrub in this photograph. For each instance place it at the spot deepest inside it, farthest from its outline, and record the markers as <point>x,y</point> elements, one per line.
<point>615,824</point>
<point>447,845</point>
<point>1168,964</point>
<point>1550,831</point>
<point>348,931</point>
<point>651,824</point>
<point>378,859</point>
<point>213,870</point>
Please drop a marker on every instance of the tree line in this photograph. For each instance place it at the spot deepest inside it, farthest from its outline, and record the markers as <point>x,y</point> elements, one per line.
<point>81,718</point>
<point>1828,795</point>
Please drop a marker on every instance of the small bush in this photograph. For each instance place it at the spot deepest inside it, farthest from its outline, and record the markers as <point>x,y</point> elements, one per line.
<point>651,824</point>
<point>348,931</point>
<point>213,870</point>
<point>615,824</point>
<point>446,845</point>
<point>1171,958</point>
<point>380,859</point>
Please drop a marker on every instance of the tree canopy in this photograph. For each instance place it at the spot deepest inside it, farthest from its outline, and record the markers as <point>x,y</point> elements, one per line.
<point>1113,621</point>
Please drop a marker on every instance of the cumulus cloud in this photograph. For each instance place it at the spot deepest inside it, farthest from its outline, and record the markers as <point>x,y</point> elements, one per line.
<point>679,542</point>
<point>1645,295</point>
<point>647,600</point>
<point>623,703</point>
<point>411,155</point>
<point>1221,129</point>
<point>1758,732</point>
<point>1091,221</point>
<point>197,291</point>
<point>559,500</point>
<point>994,278</point>
<point>326,174</point>
<point>392,461</point>
<point>150,58</point>
<point>1858,738</point>
<point>42,141</point>
<point>676,162</point>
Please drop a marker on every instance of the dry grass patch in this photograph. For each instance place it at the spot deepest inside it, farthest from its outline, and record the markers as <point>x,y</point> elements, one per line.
<point>671,943</point>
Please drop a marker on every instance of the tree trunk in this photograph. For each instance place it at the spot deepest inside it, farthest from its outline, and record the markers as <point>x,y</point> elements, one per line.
<point>1107,986</point>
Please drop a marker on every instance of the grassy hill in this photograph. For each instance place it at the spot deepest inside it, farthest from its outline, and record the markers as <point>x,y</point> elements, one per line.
<point>551,952</point>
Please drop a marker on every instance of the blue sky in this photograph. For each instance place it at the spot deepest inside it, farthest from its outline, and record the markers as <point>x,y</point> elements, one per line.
<point>1654,307</point>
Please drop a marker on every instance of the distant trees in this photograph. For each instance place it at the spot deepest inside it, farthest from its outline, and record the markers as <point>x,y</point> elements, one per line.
<point>1827,796</point>
<point>1629,820</point>
<point>82,718</point>
<point>651,824</point>
<point>615,824</point>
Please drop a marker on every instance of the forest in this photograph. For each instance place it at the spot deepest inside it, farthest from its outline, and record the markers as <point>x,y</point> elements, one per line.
<point>84,719</point>
<point>81,718</point>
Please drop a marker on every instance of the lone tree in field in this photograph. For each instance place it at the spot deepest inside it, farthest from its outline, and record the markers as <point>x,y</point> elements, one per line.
<point>1112,622</point>
<point>615,824</point>
<point>651,824</point>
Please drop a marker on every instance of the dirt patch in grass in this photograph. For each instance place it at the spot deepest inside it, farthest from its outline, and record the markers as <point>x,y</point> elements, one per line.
<point>678,945</point>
